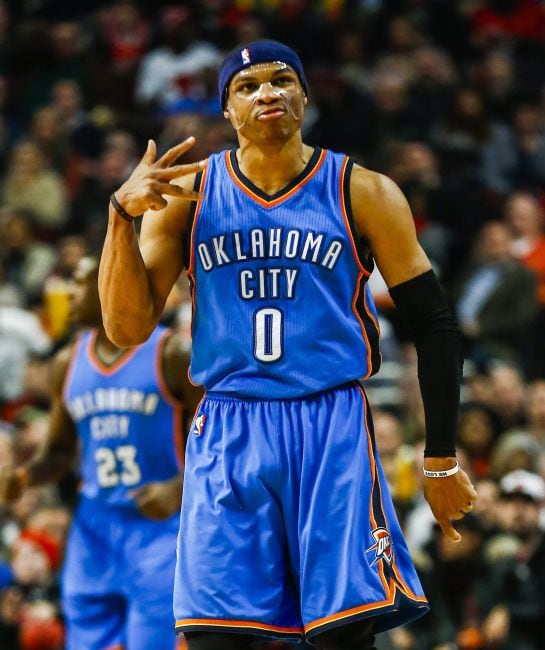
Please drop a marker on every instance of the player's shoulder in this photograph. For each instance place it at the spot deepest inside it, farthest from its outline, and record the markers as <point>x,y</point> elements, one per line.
<point>371,184</point>
<point>375,193</point>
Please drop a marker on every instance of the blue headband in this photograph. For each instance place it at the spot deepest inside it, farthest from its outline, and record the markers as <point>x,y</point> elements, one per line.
<point>257,52</point>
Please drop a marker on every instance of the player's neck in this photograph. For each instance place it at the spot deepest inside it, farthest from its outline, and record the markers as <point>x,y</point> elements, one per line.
<point>272,167</point>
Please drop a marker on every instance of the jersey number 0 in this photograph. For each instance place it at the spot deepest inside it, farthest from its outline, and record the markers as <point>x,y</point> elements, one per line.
<point>268,334</point>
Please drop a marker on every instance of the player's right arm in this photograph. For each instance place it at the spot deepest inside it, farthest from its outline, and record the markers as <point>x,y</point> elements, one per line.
<point>135,277</point>
<point>57,453</point>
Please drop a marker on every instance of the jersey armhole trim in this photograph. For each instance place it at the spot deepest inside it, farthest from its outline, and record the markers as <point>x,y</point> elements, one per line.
<point>365,261</point>
<point>193,208</point>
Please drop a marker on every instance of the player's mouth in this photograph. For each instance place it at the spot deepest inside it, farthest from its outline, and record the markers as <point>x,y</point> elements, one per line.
<point>271,114</point>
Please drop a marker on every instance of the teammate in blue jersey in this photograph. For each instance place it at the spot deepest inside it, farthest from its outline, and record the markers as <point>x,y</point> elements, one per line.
<point>288,527</point>
<point>124,410</point>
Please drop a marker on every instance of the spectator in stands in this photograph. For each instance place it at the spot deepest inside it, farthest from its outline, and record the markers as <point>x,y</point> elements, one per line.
<point>497,301</point>
<point>477,433</point>
<point>111,170</point>
<point>514,159</point>
<point>33,186</point>
<point>507,396</point>
<point>415,168</point>
<point>515,450</point>
<point>174,70</point>
<point>496,78</point>
<point>21,333</point>
<point>535,408</point>
<point>524,215</point>
<point>64,56</point>
<point>25,261</point>
<point>431,86</point>
<point>392,116</point>
<point>47,132</point>
<point>504,21</point>
<point>127,35</point>
<point>512,589</point>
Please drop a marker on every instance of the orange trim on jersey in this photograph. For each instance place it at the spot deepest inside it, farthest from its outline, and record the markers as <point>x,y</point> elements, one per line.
<point>370,313</point>
<point>194,225</point>
<point>351,612</point>
<point>118,646</point>
<point>386,584</point>
<point>273,202</point>
<point>363,272</point>
<point>70,371</point>
<point>190,273</point>
<point>344,212</point>
<point>354,611</point>
<point>402,586</point>
<point>101,367</point>
<point>254,625</point>
<point>372,317</point>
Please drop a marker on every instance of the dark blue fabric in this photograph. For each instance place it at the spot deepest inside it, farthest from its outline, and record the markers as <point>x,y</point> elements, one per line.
<point>257,52</point>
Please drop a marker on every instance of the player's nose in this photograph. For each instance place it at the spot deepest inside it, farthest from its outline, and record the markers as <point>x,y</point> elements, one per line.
<point>266,92</point>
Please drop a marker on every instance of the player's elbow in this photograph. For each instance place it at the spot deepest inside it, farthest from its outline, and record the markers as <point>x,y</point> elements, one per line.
<point>124,335</point>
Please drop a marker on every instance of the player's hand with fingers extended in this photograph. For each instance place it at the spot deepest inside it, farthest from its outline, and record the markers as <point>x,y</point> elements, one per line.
<point>151,180</point>
<point>159,500</point>
<point>449,497</point>
<point>13,481</point>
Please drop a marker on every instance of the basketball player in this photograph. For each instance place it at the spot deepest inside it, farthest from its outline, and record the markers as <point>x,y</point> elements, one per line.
<point>124,408</point>
<point>289,530</point>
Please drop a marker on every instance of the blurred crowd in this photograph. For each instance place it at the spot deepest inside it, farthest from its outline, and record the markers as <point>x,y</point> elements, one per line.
<point>448,99</point>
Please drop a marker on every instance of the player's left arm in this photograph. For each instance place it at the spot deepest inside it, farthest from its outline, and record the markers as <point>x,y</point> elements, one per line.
<point>383,219</point>
<point>161,500</point>
<point>176,359</point>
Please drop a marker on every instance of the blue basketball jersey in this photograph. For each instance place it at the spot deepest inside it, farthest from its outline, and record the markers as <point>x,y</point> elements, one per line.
<point>128,424</point>
<point>281,304</point>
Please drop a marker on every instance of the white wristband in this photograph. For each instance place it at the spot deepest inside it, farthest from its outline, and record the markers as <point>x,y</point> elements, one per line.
<point>442,473</point>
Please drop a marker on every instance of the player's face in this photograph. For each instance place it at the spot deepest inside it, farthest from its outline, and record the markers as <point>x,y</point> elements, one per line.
<point>266,99</point>
<point>84,303</point>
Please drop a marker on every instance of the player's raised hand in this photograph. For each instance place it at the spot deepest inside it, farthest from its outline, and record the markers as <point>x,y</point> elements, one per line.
<point>450,498</point>
<point>151,180</point>
<point>12,483</point>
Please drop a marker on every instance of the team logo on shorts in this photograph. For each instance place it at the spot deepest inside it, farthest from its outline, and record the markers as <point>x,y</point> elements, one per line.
<point>382,546</point>
<point>245,54</point>
<point>198,427</point>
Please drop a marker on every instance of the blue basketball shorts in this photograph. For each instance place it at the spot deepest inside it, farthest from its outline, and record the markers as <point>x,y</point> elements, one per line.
<point>287,526</point>
<point>117,580</point>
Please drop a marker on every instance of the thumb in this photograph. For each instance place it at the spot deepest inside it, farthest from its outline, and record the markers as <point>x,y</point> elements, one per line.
<point>449,530</point>
<point>150,153</point>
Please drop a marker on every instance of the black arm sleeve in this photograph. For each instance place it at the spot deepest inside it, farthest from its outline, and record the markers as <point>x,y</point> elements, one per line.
<point>422,303</point>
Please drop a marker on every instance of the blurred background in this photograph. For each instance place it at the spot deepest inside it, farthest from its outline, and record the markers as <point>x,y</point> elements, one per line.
<point>445,97</point>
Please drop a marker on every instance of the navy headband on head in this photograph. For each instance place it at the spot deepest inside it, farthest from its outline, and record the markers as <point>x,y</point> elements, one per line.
<point>257,52</point>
